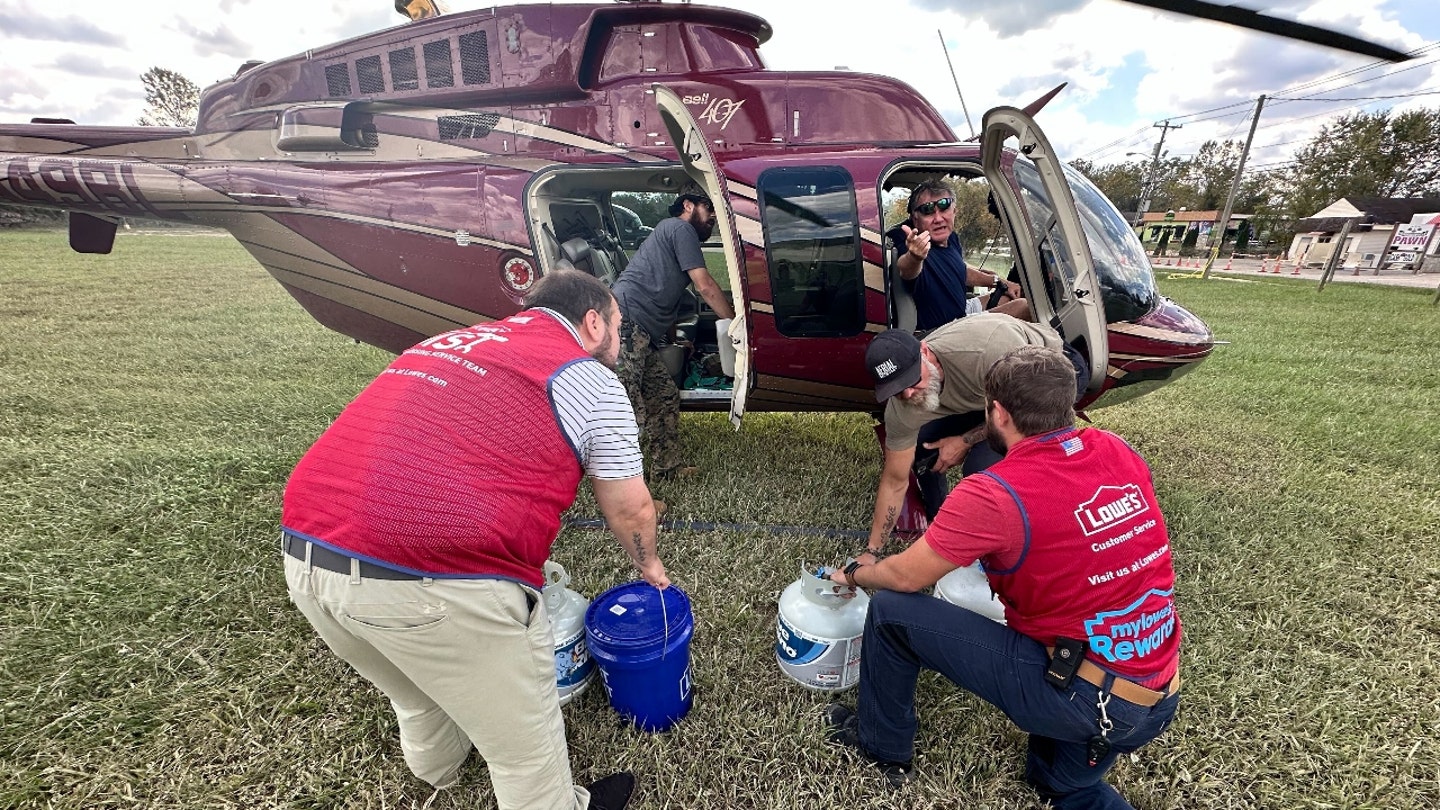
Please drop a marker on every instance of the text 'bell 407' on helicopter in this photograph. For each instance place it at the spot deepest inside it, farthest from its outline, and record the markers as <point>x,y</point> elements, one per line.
<point>421,178</point>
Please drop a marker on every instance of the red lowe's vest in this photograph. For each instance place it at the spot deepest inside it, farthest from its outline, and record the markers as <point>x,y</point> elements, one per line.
<point>452,462</point>
<point>1096,564</point>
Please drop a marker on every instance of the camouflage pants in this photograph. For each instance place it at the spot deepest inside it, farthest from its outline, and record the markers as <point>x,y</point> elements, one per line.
<point>654,396</point>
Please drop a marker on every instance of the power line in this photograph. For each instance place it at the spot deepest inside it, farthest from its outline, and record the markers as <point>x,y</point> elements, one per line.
<point>1132,136</point>
<point>1361,81</point>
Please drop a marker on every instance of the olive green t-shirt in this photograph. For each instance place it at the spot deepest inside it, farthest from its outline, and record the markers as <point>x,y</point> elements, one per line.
<point>965,349</point>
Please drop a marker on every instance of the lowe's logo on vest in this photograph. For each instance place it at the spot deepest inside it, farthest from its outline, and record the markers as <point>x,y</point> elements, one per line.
<point>1135,632</point>
<point>1110,506</point>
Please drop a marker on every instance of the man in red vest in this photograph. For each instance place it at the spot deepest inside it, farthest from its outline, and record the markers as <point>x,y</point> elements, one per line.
<point>1072,540</point>
<point>415,529</point>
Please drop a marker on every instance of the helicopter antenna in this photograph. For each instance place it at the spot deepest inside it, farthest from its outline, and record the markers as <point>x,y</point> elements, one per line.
<point>963,108</point>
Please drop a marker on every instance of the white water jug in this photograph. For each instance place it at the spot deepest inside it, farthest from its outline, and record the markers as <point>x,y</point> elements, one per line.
<point>574,667</point>
<point>818,632</point>
<point>727,347</point>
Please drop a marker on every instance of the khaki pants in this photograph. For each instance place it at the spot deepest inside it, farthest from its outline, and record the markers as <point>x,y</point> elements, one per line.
<point>463,661</point>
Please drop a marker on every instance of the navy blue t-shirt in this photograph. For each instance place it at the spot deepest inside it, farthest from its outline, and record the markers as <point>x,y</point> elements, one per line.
<point>940,290</point>
<point>650,288</point>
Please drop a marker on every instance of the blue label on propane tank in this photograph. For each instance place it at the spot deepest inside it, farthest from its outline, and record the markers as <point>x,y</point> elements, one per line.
<point>795,648</point>
<point>572,661</point>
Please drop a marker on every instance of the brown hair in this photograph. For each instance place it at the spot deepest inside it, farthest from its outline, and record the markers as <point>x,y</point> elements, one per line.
<point>928,187</point>
<point>572,294</point>
<point>1037,386</point>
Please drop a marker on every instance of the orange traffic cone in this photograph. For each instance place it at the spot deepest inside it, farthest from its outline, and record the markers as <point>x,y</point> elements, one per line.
<point>1229,264</point>
<point>1296,271</point>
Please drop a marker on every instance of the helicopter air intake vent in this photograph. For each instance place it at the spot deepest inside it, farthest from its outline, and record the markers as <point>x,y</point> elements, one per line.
<point>439,72</point>
<point>456,127</point>
<point>403,75</point>
<point>337,79</point>
<point>372,81</point>
<point>475,57</point>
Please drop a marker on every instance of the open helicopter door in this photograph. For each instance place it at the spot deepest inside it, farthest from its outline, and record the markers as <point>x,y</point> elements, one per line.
<point>700,164</point>
<point>1060,279</point>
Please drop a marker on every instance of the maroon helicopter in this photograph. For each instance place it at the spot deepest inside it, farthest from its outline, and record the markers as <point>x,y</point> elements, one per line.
<point>418,179</point>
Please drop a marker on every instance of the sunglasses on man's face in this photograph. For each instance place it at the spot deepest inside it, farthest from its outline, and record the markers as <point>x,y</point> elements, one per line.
<point>928,208</point>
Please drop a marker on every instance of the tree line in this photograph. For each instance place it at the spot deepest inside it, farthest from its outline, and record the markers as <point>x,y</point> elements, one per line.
<point>1377,154</point>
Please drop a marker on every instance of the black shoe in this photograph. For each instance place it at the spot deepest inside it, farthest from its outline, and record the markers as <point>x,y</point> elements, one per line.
<point>612,792</point>
<point>845,730</point>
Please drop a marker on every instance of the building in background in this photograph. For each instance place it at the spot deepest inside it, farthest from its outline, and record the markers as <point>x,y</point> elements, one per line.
<point>1389,232</point>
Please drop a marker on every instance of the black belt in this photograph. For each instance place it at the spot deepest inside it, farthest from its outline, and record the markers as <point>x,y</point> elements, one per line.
<point>322,557</point>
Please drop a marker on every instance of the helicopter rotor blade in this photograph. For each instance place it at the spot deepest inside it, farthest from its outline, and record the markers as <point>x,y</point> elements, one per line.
<point>1255,21</point>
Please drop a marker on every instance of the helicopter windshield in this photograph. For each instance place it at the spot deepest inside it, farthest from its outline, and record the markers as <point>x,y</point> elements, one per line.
<point>1127,284</point>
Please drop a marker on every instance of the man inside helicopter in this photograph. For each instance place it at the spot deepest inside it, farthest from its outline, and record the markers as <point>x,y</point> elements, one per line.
<point>932,268</point>
<point>650,292</point>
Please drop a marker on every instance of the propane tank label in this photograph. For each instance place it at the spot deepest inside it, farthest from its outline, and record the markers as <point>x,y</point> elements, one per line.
<point>819,662</point>
<point>572,660</point>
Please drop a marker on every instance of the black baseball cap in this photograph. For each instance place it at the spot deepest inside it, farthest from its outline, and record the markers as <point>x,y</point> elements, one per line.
<point>893,359</point>
<point>694,191</point>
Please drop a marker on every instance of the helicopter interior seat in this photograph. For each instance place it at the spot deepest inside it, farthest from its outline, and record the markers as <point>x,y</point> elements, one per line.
<point>902,303</point>
<point>585,257</point>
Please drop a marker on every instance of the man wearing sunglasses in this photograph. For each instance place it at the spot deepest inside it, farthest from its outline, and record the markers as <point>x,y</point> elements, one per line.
<point>932,263</point>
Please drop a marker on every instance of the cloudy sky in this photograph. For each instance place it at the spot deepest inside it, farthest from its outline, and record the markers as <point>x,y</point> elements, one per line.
<point>1128,67</point>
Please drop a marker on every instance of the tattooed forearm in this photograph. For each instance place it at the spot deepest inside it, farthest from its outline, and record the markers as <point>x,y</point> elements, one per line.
<point>891,515</point>
<point>639,548</point>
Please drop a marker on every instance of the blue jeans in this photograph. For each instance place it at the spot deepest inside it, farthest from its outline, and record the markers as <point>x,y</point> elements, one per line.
<point>905,633</point>
<point>934,487</point>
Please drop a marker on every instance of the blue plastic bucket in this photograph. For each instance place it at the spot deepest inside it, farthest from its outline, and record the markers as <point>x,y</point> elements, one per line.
<point>640,637</point>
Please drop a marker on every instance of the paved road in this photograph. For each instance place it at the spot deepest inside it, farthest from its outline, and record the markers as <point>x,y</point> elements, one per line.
<point>1251,267</point>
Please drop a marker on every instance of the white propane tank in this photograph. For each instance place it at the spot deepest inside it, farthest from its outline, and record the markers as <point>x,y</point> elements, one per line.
<point>574,667</point>
<point>968,588</point>
<point>818,632</point>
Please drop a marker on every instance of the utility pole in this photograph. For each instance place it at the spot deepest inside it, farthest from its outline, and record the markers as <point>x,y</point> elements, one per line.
<point>1217,241</point>
<point>1147,184</point>
<point>963,108</point>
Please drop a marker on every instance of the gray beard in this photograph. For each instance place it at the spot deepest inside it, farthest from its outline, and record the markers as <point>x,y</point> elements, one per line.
<point>929,401</point>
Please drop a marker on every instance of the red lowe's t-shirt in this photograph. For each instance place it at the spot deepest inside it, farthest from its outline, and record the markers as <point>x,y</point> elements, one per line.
<point>1073,542</point>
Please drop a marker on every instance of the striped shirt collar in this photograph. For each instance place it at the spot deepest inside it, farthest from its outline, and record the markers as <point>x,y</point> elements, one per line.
<point>565,322</point>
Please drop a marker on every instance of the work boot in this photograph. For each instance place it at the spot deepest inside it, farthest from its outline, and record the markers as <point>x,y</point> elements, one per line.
<point>612,792</point>
<point>845,730</point>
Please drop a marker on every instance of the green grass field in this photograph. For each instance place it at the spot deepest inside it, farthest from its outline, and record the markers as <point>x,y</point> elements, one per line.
<point>153,402</point>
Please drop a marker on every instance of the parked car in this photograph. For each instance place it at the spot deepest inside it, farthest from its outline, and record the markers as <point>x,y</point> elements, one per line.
<point>632,230</point>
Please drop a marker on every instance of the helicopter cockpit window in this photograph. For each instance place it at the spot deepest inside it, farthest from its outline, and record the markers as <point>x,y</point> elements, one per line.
<point>812,235</point>
<point>1121,266</point>
<point>1059,268</point>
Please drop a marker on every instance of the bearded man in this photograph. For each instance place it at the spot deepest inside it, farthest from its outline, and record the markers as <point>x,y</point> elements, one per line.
<point>649,293</point>
<point>934,395</point>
